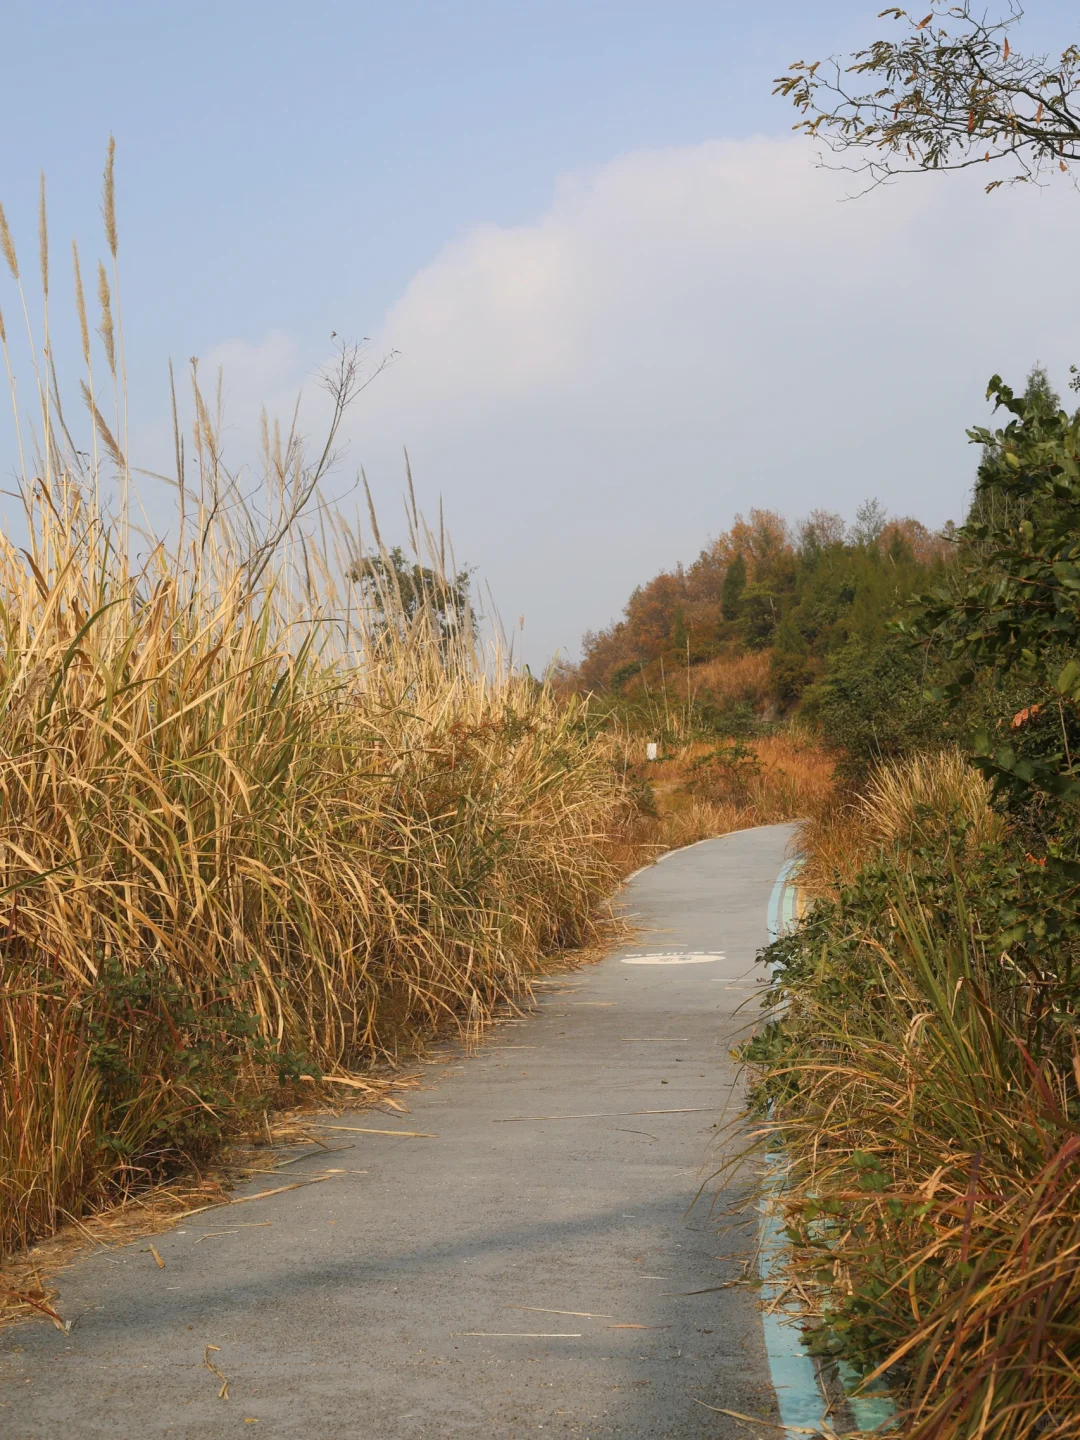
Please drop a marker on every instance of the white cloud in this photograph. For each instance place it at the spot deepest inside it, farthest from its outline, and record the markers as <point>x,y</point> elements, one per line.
<point>252,375</point>
<point>690,332</point>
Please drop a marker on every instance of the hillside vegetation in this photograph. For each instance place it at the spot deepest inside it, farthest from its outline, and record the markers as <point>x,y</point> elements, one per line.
<point>767,670</point>
<point>765,617</point>
<point>912,700</point>
<point>922,1068</point>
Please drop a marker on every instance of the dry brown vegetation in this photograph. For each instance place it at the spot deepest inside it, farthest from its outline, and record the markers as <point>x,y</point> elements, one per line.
<point>902,804</point>
<point>739,678</point>
<point>700,790</point>
<point>269,813</point>
<point>261,812</point>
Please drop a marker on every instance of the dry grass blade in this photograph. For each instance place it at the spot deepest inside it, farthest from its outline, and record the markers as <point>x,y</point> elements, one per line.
<point>521,1334</point>
<point>262,1195</point>
<point>223,1393</point>
<point>606,1114</point>
<point>758,1420</point>
<point>38,1304</point>
<point>368,1130</point>
<point>575,1314</point>
<point>7,246</point>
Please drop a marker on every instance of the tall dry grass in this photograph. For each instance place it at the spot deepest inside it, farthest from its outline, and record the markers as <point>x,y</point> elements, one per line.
<point>934,1187</point>
<point>256,817</point>
<point>903,804</point>
<point>733,679</point>
<point>925,1085</point>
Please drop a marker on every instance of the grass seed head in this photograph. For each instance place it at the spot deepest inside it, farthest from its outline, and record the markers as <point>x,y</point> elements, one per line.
<point>108,197</point>
<point>105,329</point>
<point>7,245</point>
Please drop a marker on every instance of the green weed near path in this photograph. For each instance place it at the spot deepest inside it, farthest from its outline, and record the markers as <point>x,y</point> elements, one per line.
<point>926,1087</point>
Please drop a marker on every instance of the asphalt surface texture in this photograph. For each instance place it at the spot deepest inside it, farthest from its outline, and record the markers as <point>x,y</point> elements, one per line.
<point>526,1272</point>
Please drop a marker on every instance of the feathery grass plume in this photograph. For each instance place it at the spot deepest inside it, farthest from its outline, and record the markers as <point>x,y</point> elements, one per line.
<point>80,304</point>
<point>108,213</point>
<point>47,387</point>
<point>105,329</point>
<point>178,450</point>
<point>13,394</point>
<point>7,245</point>
<point>108,197</point>
<point>101,426</point>
<point>43,239</point>
<point>84,336</point>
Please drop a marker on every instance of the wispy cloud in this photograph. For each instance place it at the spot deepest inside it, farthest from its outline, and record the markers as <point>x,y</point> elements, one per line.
<point>686,333</point>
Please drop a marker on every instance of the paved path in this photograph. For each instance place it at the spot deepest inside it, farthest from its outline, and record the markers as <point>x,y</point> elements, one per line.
<point>343,1319</point>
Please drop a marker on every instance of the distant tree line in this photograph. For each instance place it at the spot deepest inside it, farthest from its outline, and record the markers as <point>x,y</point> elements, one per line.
<point>802,595</point>
<point>827,610</point>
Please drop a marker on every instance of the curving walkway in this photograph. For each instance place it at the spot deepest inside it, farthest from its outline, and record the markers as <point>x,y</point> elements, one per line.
<point>351,1316</point>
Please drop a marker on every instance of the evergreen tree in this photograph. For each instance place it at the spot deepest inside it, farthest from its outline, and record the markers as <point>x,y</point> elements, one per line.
<point>732,589</point>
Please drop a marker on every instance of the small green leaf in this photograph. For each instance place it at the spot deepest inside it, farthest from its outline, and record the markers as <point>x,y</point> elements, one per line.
<point>981,743</point>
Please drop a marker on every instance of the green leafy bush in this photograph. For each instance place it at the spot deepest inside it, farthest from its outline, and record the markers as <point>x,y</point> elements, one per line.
<point>872,705</point>
<point>924,1087</point>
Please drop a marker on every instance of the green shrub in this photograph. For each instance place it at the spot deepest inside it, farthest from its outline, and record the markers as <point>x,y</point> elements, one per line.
<point>872,705</point>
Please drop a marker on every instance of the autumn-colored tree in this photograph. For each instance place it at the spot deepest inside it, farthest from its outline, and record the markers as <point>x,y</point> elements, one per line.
<point>821,531</point>
<point>905,536</point>
<point>651,612</point>
<point>763,540</point>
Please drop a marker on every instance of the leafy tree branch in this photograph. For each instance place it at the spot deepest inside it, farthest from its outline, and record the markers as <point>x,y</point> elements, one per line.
<point>949,94</point>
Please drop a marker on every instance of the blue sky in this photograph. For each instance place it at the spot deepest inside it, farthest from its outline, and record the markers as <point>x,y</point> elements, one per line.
<point>297,164</point>
<point>288,170</point>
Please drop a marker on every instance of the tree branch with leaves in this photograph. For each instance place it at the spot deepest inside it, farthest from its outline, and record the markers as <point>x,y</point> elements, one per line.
<point>949,94</point>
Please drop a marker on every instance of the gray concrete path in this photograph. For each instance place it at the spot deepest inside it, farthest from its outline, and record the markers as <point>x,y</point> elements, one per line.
<point>347,1317</point>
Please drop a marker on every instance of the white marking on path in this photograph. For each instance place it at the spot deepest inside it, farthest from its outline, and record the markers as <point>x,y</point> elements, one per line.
<point>674,957</point>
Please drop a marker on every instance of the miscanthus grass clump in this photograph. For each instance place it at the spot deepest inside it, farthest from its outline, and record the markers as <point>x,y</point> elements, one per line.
<point>267,808</point>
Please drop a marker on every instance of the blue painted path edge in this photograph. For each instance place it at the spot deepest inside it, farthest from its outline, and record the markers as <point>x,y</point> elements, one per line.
<point>794,1376</point>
